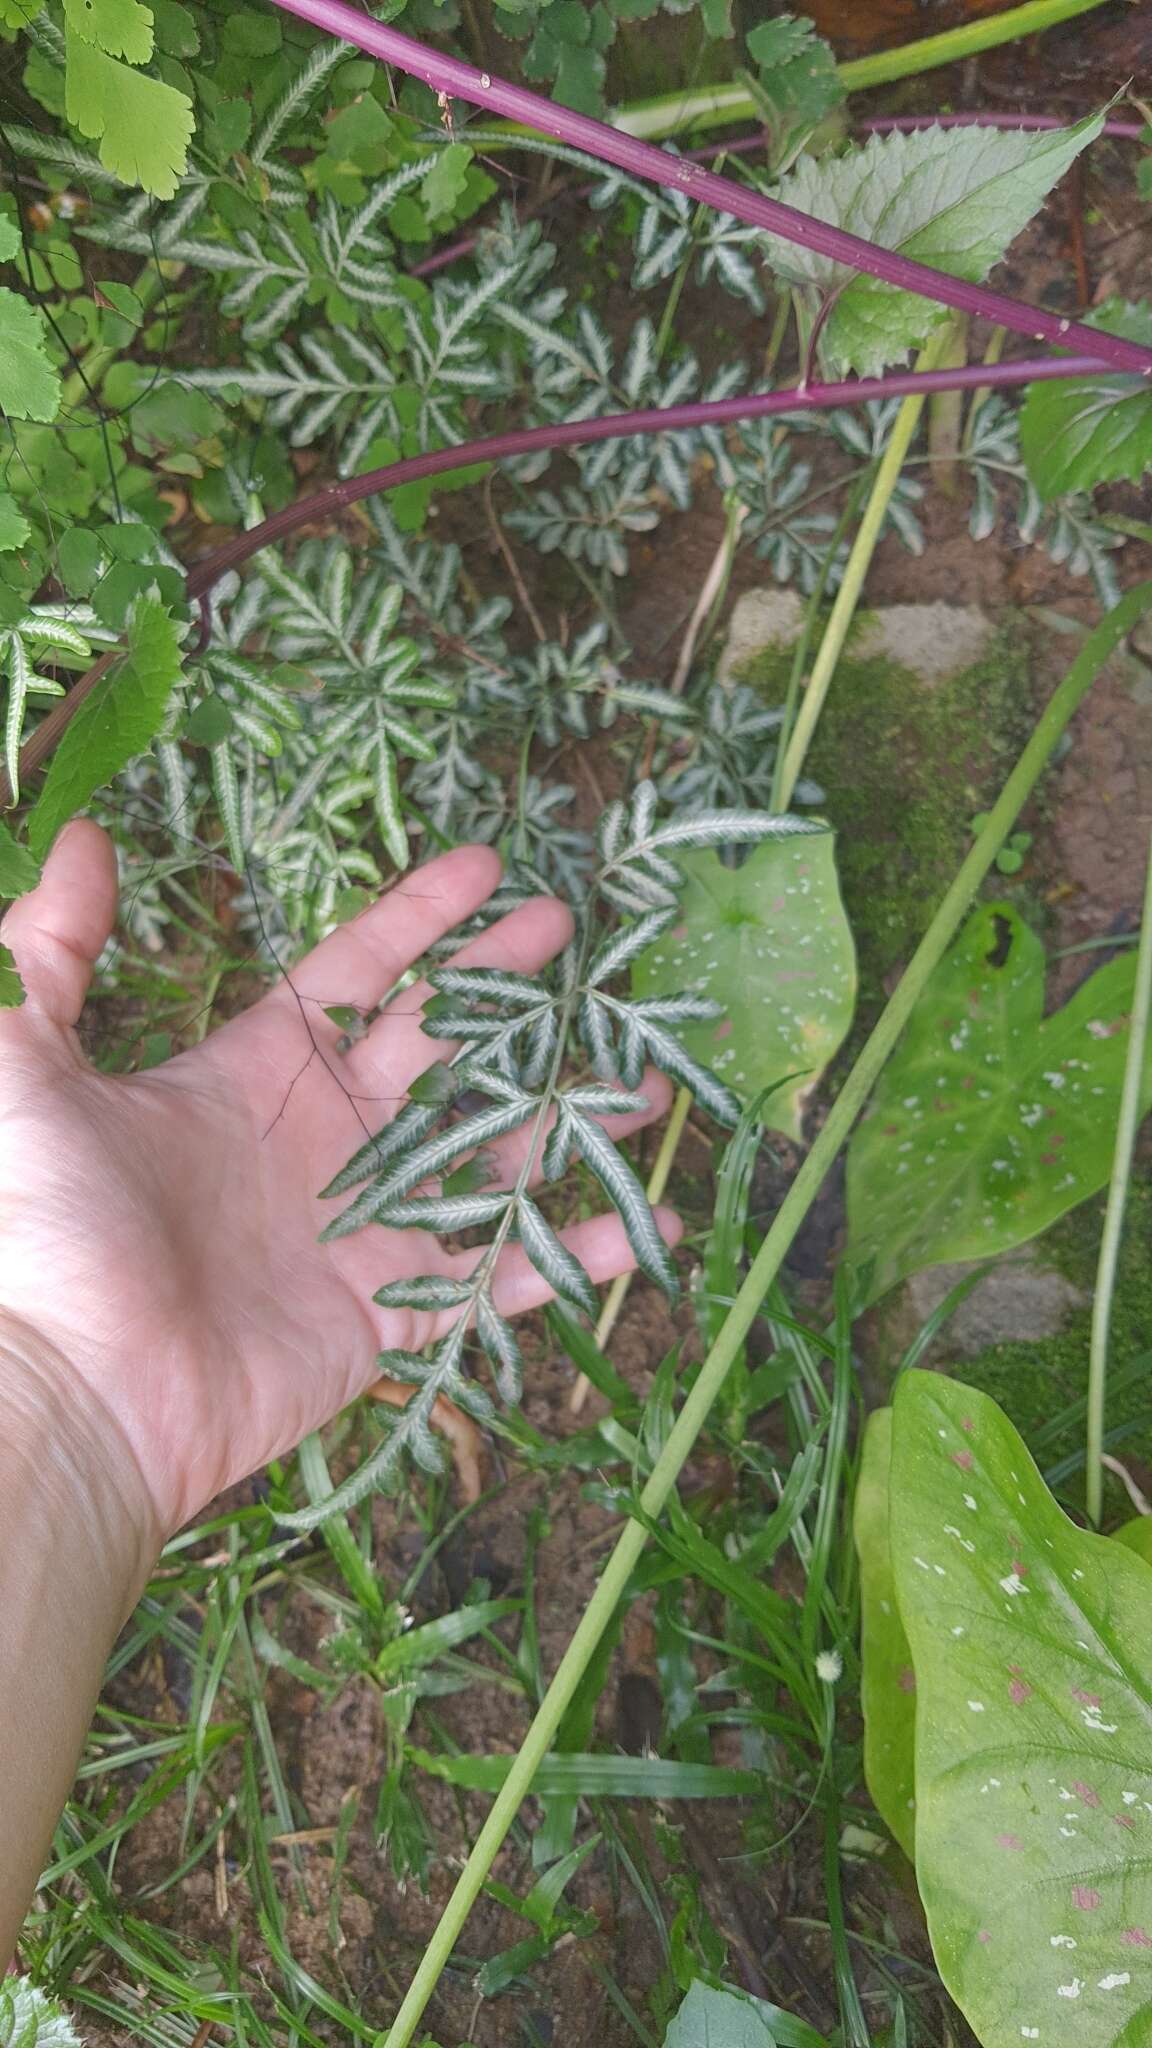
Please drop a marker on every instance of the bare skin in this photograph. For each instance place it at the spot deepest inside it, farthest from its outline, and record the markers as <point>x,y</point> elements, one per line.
<point>168,1320</point>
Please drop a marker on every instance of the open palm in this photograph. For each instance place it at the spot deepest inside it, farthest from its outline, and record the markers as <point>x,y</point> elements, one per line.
<point>161,1231</point>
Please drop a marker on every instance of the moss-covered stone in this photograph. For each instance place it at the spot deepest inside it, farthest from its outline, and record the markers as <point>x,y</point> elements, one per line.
<point>1037,1382</point>
<point>905,765</point>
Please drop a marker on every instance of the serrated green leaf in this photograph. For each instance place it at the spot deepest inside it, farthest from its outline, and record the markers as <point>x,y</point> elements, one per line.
<point>29,385</point>
<point>123,28</point>
<point>361,134</point>
<point>14,528</point>
<point>443,182</point>
<point>888,1688</point>
<point>771,942</point>
<point>143,126</point>
<point>120,718</point>
<point>30,2019</point>
<point>1091,430</point>
<point>798,75</point>
<point>1031,1643</point>
<point>19,869</point>
<point>954,198</point>
<point>988,1123</point>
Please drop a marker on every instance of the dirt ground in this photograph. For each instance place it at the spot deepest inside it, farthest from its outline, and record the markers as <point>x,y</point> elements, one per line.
<point>1091,839</point>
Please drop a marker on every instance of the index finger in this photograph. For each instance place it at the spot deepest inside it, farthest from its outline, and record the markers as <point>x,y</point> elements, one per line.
<point>358,964</point>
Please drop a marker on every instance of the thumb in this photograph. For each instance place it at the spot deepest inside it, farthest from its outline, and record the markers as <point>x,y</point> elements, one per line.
<point>58,931</point>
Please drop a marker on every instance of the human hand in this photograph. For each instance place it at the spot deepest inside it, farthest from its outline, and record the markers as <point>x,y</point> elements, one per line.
<point>160,1242</point>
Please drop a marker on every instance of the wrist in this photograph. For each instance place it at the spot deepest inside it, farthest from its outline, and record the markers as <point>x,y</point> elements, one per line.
<point>63,1452</point>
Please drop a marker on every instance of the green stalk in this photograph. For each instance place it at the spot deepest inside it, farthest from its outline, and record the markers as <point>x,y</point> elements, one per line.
<point>715,106</point>
<point>776,801</point>
<point>855,570</point>
<point>742,1315</point>
<point>1127,1125</point>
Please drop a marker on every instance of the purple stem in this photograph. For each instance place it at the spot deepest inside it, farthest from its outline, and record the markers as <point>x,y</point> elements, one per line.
<point>746,145</point>
<point>716,412</point>
<point>452,78</point>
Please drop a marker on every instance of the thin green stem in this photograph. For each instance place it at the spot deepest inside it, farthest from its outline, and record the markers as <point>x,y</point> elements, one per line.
<point>1127,1123</point>
<point>778,801</point>
<point>715,106</point>
<point>855,570</point>
<point>852,2017</point>
<point>765,1267</point>
<point>671,303</point>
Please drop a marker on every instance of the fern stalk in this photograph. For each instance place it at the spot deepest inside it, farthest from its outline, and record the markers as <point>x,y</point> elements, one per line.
<point>764,1270</point>
<point>1127,1126</point>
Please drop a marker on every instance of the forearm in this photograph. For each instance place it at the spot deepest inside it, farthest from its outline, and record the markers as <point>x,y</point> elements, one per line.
<point>77,1540</point>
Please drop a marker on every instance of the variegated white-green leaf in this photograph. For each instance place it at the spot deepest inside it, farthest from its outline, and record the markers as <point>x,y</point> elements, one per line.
<point>552,1258</point>
<point>667,1052</point>
<point>433,1291</point>
<point>488,985</point>
<point>627,1196</point>
<point>410,1127</point>
<point>605,1101</point>
<point>428,1160</point>
<point>731,828</point>
<point>501,1346</point>
<point>423,1212</point>
<point>622,947</point>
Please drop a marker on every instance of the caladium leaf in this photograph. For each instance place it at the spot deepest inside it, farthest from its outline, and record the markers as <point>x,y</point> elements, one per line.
<point>990,1120</point>
<point>770,941</point>
<point>1032,1644</point>
<point>1137,1536</point>
<point>954,198</point>
<point>888,1689</point>
<point>1091,430</point>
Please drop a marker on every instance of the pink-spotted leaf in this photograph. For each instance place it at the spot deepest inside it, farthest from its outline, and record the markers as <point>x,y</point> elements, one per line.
<point>770,942</point>
<point>1032,1645</point>
<point>991,1120</point>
